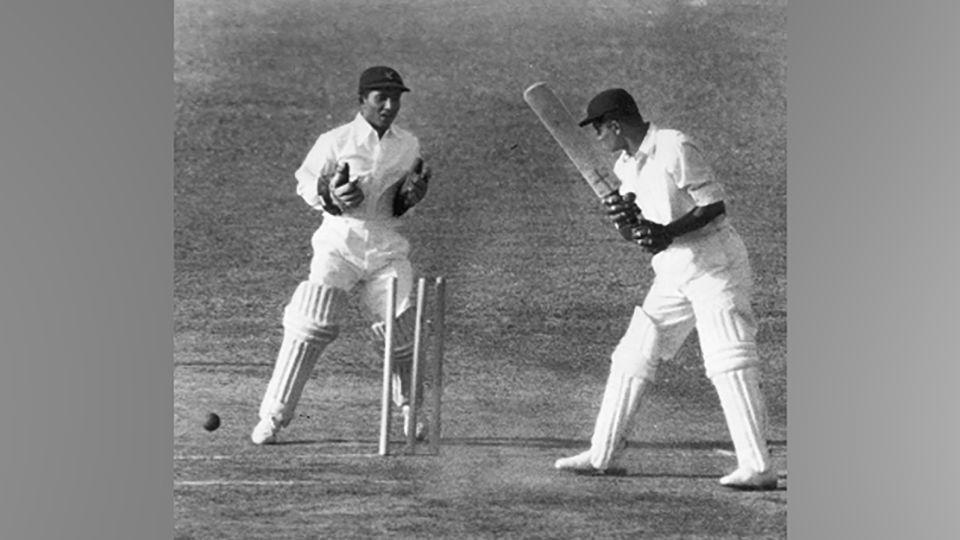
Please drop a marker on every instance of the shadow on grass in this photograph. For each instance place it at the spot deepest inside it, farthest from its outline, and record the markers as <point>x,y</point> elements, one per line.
<point>664,475</point>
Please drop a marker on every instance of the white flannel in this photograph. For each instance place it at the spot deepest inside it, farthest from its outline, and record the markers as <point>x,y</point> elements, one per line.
<point>376,163</point>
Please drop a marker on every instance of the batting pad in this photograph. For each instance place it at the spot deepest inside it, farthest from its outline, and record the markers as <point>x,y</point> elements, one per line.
<point>404,329</point>
<point>309,326</point>
<point>746,414</point>
<point>638,352</point>
<point>621,400</point>
<point>727,338</point>
<point>314,312</point>
<point>293,368</point>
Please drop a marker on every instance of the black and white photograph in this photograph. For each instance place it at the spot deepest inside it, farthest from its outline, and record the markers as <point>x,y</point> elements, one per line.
<point>304,269</point>
<point>463,269</point>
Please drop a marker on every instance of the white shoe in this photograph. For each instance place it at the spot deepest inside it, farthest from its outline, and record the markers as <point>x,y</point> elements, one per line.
<point>421,433</point>
<point>580,464</point>
<point>747,479</point>
<point>265,432</point>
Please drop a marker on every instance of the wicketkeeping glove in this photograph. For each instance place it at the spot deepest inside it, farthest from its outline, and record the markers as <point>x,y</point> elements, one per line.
<point>623,212</point>
<point>652,237</point>
<point>412,189</point>
<point>337,192</point>
<point>345,193</point>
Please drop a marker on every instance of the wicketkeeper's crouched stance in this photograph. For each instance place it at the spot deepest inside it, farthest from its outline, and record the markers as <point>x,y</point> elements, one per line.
<point>363,175</point>
<point>702,280</point>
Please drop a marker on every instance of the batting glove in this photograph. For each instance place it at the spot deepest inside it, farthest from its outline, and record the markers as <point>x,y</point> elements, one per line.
<point>652,237</point>
<point>623,212</point>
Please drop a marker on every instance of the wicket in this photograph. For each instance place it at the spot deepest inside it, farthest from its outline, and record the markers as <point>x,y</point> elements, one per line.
<point>436,327</point>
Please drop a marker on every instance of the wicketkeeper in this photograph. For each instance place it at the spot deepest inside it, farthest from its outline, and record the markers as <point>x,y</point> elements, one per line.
<point>363,176</point>
<point>702,280</point>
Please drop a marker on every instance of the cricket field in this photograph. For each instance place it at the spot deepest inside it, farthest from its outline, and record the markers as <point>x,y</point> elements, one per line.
<point>539,285</point>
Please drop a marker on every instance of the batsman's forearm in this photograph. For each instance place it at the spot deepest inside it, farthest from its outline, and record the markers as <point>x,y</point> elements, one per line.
<point>695,219</point>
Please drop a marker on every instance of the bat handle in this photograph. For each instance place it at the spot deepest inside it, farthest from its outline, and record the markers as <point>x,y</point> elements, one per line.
<point>626,230</point>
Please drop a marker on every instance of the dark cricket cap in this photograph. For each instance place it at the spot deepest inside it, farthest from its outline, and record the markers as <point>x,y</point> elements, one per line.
<point>612,103</point>
<point>380,78</point>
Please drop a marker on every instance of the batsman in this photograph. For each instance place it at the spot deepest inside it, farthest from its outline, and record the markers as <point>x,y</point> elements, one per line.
<point>363,176</point>
<point>702,280</point>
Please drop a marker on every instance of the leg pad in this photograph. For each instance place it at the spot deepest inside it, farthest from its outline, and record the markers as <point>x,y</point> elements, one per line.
<point>746,414</point>
<point>621,399</point>
<point>403,334</point>
<point>310,324</point>
<point>638,352</point>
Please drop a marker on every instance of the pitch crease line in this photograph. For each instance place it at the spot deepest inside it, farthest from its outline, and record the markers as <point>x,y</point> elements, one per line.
<point>219,457</point>
<point>205,483</point>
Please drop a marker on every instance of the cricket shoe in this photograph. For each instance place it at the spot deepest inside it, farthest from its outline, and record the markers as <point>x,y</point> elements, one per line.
<point>580,464</point>
<point>421,433</point>
<point>265,432</point>
<point>748,479</point>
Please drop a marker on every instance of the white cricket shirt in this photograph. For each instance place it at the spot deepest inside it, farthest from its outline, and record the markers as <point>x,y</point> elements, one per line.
<point>376,163</point>
<point>668,175</point>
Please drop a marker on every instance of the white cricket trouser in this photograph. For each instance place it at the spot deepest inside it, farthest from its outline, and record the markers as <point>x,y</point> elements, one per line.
<point>350,253</point>
<point>703,281</point>
<point>347,254</point>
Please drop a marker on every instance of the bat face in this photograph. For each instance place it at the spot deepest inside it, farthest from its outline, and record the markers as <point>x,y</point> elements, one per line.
<point>575,142</point>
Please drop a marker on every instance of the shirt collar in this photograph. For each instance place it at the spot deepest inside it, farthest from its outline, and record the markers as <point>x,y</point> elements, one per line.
<point>646,145</point>
<point>364,131</point>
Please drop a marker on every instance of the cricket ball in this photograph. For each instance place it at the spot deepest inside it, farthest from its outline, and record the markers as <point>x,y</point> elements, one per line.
<point>212,422</point>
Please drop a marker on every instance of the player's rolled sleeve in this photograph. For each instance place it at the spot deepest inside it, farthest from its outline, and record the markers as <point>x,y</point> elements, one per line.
<point>695,176</point>
<point>320,161</point>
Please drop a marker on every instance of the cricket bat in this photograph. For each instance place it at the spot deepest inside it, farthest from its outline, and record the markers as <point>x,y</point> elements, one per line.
<point>571,138</point>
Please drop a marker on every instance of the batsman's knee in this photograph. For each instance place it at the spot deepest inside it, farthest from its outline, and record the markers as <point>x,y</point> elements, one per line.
<point>727,338</point>
<point>314,312</point>
<point>638,353</point>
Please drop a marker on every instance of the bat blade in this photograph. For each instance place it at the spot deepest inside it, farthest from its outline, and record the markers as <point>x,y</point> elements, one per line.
<point>575,143</point>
